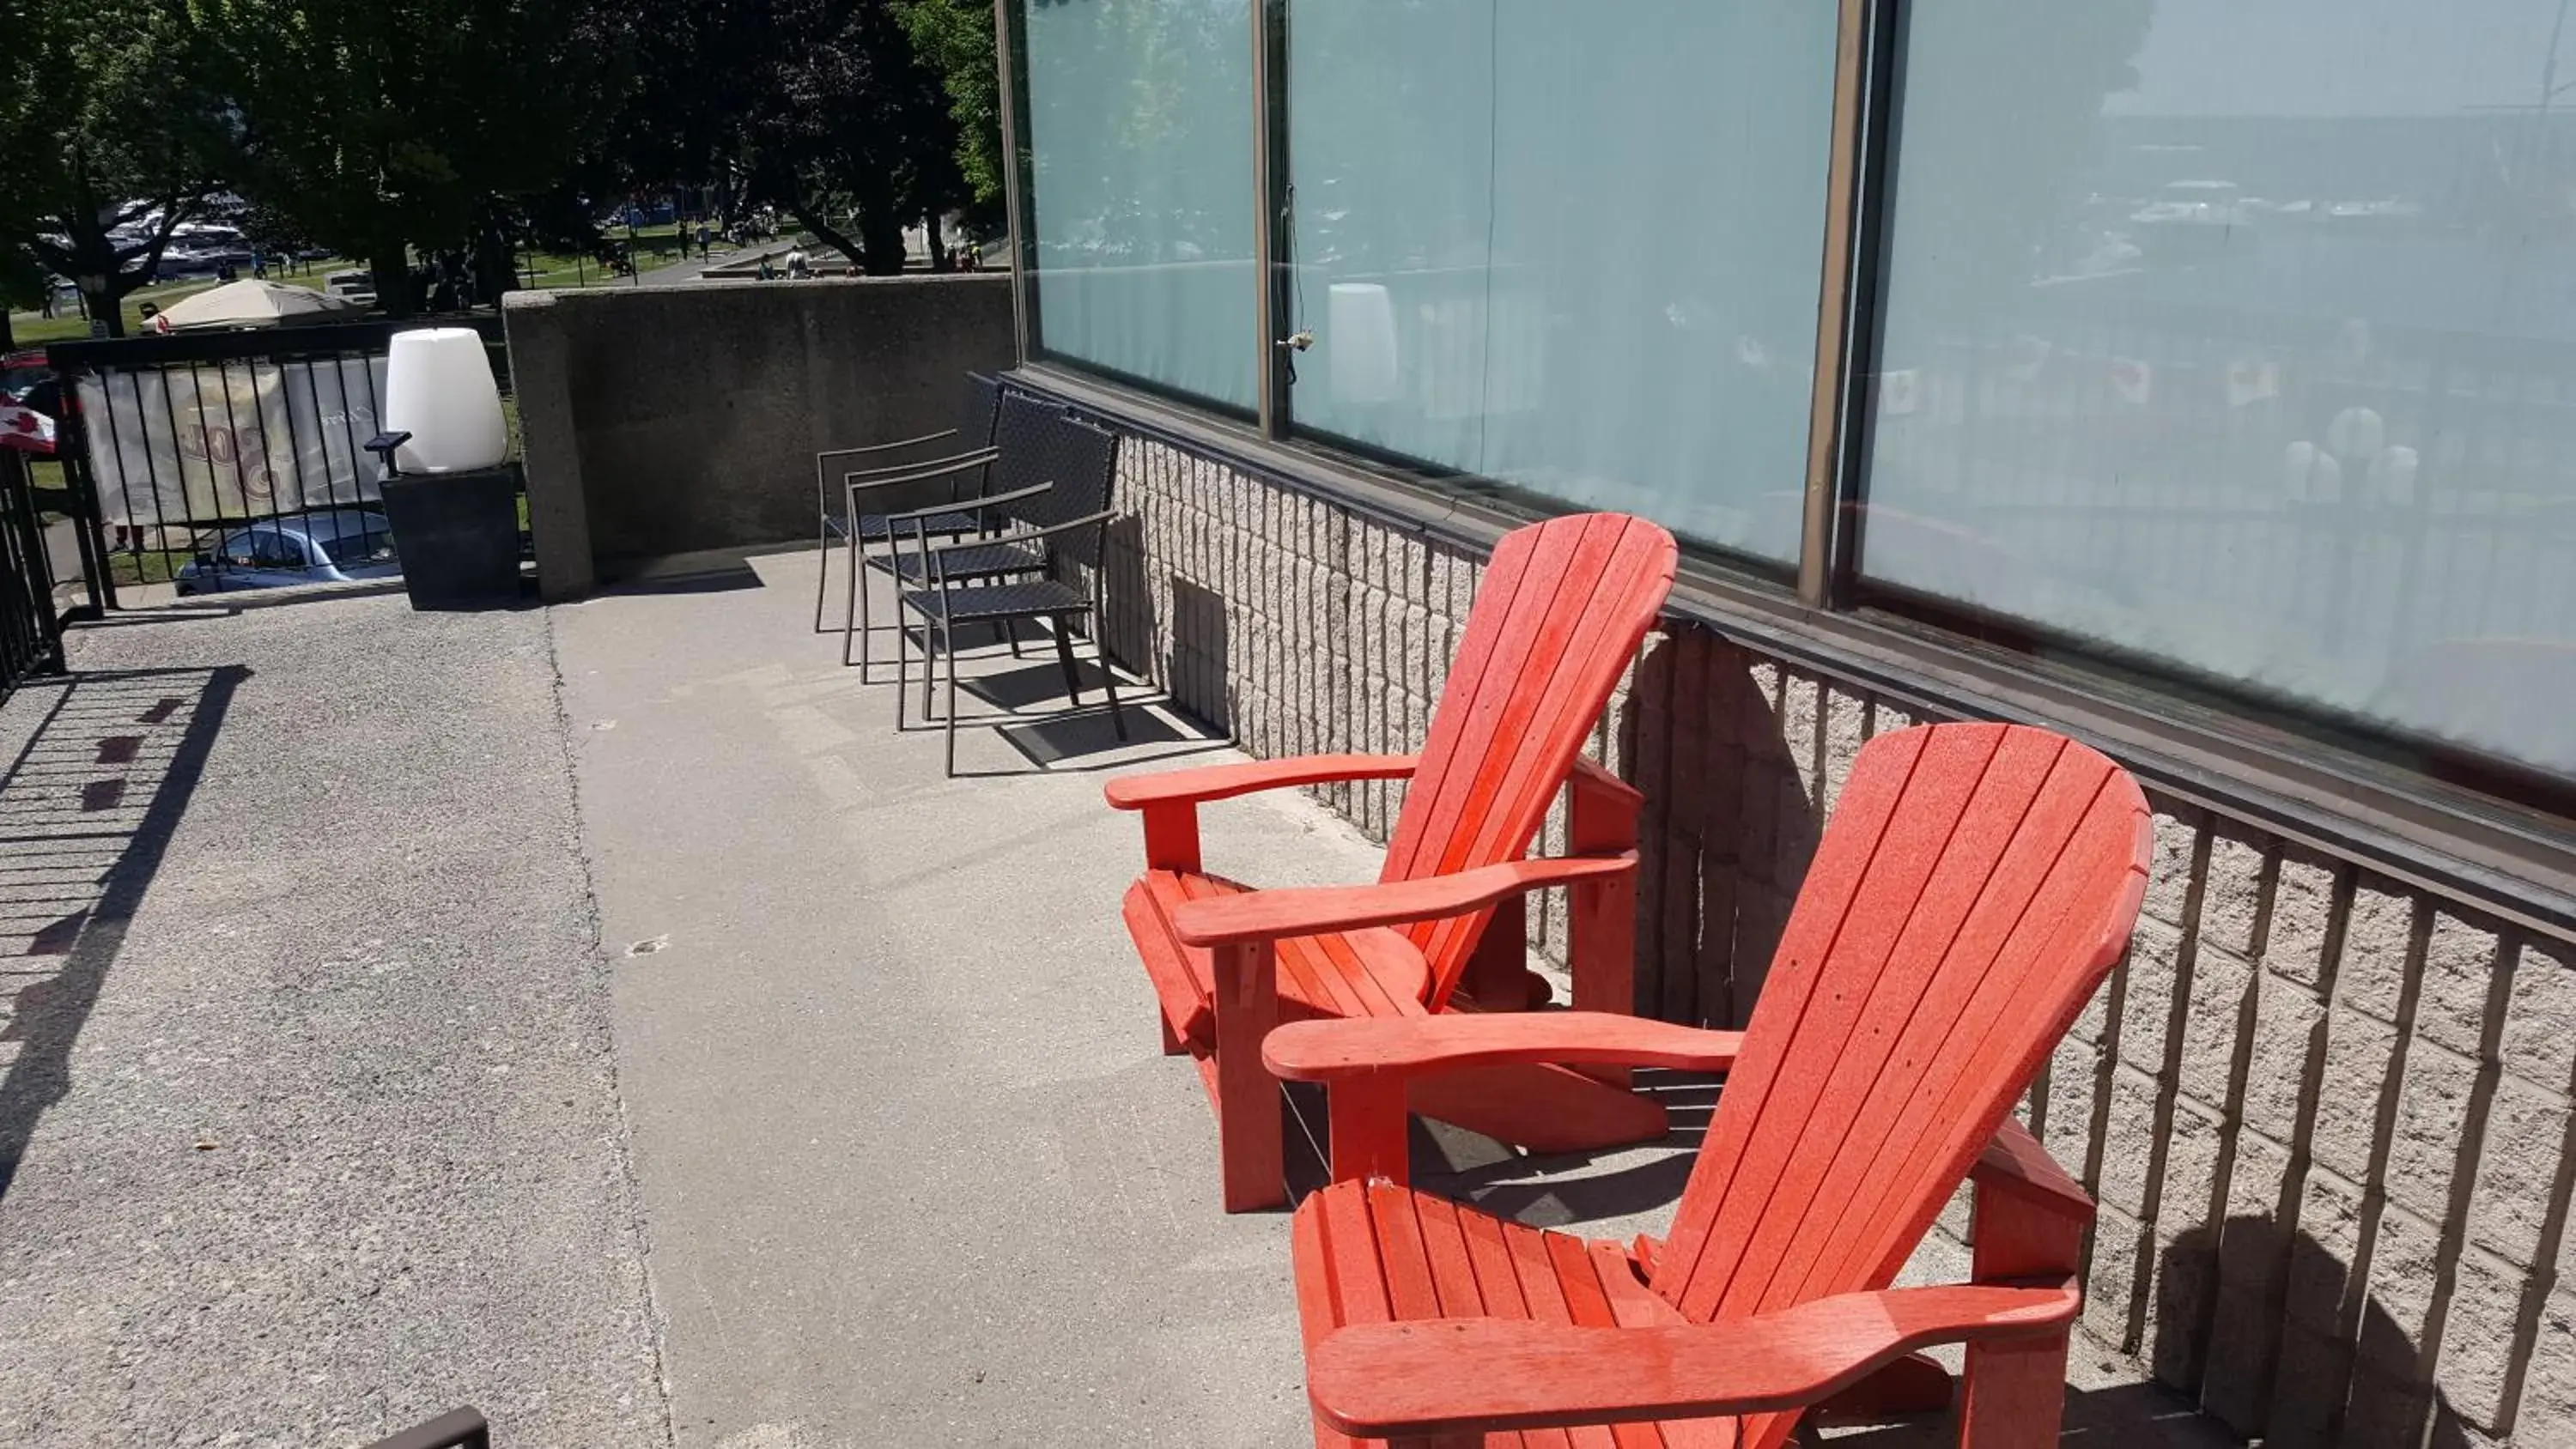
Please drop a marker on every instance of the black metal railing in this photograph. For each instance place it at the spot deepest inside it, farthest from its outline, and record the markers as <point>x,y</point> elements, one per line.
<point>221,459</point>
<point>31,627</point>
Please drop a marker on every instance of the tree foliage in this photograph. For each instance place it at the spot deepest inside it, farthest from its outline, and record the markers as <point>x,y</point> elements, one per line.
<point>955,38</point>
<point>381,128</point>
<point>374,125</point>
<point>109,128</point>
<point>823,109</point>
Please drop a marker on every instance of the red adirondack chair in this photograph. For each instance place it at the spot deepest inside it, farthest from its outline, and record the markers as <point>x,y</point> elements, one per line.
<point>1563,607</point>
<point>1971,892</point>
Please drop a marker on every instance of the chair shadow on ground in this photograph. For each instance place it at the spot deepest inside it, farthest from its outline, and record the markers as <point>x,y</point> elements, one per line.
<point>88,804</point>
<point>1022,700</point>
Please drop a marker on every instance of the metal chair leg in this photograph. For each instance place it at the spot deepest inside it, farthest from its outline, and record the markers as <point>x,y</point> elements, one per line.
<point>822,574</point>
<point>929,663</point>
<point>948,646</point>
<point>859,586</point>
<point>1011,631</point>
<point>902,657</point>
<point>1064,657</point>
<point>850,605</point>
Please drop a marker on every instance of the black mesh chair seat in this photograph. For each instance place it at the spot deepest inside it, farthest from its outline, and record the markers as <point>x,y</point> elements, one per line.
<point>1047,500</point>
<point>989,561</point>
<point>954,463</point>
<point>874,527</point>
<point>986,603</point>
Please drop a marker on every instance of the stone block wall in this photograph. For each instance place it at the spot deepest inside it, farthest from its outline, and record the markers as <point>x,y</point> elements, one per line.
<point>2328,1118</point>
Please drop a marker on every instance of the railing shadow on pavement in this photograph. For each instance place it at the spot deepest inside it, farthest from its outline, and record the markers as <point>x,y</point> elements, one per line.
<point>100,770</point>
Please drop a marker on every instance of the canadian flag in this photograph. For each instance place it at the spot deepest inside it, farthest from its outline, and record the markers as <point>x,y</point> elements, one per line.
<point>26,430</point>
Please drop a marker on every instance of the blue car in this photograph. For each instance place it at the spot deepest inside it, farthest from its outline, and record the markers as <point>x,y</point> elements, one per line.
<point>328,546</point>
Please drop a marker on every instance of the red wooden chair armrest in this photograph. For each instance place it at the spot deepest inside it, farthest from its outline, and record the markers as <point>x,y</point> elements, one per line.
<point>1311,910</point>
<point>2016,1165</point>
<point>1327,1051</point>
<point>1438,1376</point>
<point>1223,782</point>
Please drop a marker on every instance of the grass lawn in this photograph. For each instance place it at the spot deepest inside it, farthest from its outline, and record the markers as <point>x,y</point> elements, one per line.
<point>655,246</point>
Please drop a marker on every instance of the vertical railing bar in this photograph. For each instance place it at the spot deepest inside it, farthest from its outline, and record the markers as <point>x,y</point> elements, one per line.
<point>375,405</point>
<point>103,584</point>
<point>2231,1129</point>
<point>152,471</point>
<point>241,477</point>
<point>294,453</point>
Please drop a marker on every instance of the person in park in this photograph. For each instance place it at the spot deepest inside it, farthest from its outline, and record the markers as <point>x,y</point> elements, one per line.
<point>797,266</point>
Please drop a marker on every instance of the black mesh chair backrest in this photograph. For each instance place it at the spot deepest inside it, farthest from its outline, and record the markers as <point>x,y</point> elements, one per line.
<point>1043,442</point>
<point>978,412</point>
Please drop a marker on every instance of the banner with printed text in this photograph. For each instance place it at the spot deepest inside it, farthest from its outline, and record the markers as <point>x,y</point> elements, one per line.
<point>216,442</point>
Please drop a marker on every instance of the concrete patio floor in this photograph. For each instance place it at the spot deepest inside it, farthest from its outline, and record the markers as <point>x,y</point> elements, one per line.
<point>885,1152</point>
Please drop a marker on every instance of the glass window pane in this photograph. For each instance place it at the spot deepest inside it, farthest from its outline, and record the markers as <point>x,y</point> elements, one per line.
<point>1141,138</point>
<point>2241,337</point>
<point>1575,248</point>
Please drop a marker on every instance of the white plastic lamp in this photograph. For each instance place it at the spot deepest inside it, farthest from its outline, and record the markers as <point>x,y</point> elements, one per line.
<point>439,389</point>
<point>1359,337</point>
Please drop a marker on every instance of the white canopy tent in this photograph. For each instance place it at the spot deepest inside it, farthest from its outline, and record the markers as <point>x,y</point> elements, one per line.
<point>253,303</point>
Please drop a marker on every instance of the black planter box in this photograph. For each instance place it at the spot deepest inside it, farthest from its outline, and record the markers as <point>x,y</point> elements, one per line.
<point>458,535</point>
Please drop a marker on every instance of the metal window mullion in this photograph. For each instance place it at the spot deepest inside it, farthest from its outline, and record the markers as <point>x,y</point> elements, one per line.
<point>1845,311</point>
<point>1269,20</point>
<point>1015,151</point>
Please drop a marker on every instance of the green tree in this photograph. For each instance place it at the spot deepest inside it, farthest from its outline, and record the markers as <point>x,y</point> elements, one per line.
<point>110,140</point>
<point>21,277</point>
<point>377,125</point>
<point>820,108</point>
<point>955,38</point>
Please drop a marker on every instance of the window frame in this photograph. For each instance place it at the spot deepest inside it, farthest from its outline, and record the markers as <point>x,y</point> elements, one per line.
<point>1019,187</point>
<point>2436,815</point>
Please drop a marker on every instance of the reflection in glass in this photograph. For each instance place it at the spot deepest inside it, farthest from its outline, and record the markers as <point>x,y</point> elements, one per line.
<point>1571,247</point>
<point>1140,196</point>
<point>2244,337</point>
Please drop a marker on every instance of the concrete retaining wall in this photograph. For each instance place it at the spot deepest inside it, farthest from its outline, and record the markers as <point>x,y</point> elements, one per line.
<point>2328,1118</point>
<point>663,420</point>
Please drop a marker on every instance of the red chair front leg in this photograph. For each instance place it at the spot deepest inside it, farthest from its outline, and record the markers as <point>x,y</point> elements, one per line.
<point>1247,1096</point>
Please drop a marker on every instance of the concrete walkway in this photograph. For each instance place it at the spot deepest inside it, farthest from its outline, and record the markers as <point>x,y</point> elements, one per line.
<point>915,1167</point>
<point>917,1170</point>
<point>317,922</point>
<point>308,1124</point>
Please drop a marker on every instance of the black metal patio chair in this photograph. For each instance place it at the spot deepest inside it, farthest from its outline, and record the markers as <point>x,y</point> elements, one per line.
<point>1048,513</point>
<point>968,448</point>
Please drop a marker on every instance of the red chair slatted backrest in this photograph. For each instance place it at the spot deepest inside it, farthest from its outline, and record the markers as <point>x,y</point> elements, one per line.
<point>1563,606</point>
<point>1972,889</point>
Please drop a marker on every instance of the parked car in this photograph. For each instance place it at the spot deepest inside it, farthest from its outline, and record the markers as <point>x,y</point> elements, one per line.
<point>333,546</point>
<point>357,284</point>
